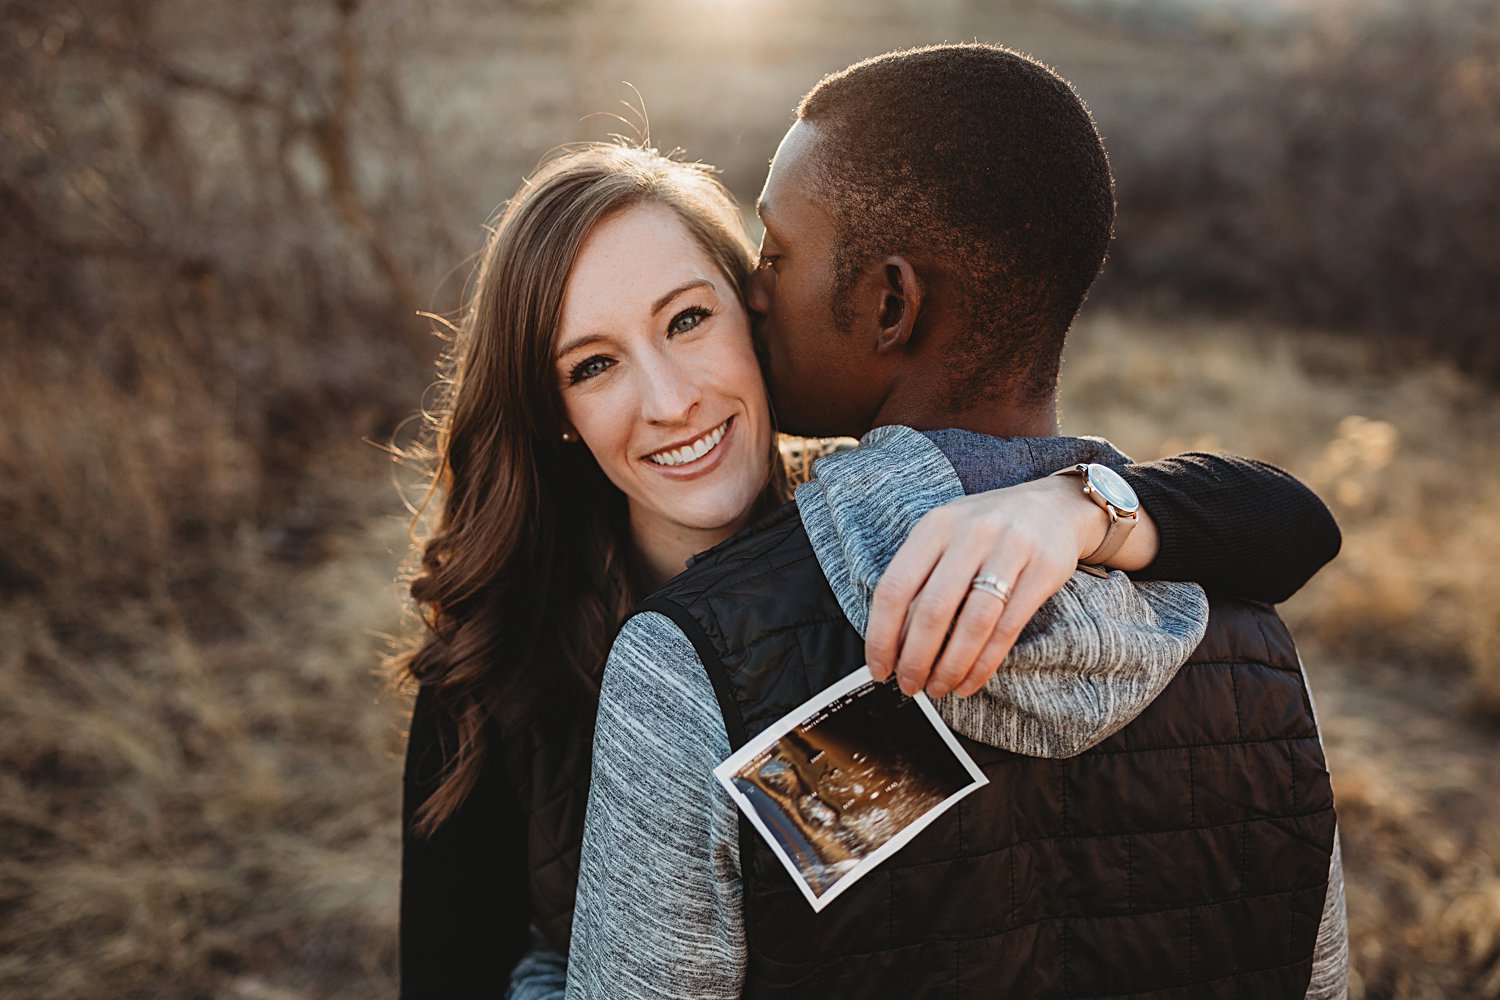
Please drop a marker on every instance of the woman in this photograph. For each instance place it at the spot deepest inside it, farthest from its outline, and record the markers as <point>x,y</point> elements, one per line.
<point>606,420</point>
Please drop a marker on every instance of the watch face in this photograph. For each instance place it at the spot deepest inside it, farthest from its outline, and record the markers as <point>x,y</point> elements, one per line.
<point>1113,488</point>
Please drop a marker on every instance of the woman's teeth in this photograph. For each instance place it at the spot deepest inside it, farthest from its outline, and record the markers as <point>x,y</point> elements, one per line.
<point>691,452</point>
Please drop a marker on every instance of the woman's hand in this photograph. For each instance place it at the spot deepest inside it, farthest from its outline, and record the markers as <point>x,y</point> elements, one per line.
<point>1029,536</point>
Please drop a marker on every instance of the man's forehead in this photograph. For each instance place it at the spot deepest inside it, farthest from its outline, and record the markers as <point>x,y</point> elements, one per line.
<point>765,202</point>
<point>765,206</point>
<point>788,168</point>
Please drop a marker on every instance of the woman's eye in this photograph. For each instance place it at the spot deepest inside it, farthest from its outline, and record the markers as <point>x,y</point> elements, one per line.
<point>688,319</point>
<point>589,368</point>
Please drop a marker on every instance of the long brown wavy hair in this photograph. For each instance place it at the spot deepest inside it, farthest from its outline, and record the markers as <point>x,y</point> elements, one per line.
<point>528,571</point>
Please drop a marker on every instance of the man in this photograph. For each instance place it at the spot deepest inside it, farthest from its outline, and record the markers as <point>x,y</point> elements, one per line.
<point>934,219</point>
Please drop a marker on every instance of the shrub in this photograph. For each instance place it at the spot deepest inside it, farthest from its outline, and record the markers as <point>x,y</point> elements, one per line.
<point>201,285</point>
<point>1345,180</point>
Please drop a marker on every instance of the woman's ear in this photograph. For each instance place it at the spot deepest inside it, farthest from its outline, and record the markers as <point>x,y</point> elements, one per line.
<point>900,302</point>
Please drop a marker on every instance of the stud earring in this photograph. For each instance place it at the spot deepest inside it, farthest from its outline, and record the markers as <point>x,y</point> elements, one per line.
<point>569,437</point>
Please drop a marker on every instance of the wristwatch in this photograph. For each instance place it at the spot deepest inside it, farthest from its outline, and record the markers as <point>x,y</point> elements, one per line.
<point>1109,490</point>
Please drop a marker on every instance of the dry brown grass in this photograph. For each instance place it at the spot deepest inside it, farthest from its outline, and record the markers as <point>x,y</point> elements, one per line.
<point>196,760</point>
<point>198,794</point>
<point>197,800</point>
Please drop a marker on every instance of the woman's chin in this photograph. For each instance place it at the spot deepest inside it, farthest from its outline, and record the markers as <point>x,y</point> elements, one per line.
<point>724,519</point>
<point>720,509</point>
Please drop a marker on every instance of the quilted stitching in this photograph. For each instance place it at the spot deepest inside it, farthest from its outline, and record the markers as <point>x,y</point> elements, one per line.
<point>720,604</point>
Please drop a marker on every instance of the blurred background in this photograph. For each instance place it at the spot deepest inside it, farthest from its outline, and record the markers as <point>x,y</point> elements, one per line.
<point>223,221</point>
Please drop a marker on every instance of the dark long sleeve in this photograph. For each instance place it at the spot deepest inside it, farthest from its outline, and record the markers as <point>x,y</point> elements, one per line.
<point>464,903</point>
<point>1234,525</point>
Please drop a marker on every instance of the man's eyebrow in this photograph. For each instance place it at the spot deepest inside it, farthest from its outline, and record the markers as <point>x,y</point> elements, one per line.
<point>661,303</point>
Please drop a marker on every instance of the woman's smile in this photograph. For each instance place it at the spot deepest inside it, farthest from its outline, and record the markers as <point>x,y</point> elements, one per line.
<point>694,458</point>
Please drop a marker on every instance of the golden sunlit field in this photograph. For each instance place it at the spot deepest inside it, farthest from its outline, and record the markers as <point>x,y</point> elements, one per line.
<point>223,219</point>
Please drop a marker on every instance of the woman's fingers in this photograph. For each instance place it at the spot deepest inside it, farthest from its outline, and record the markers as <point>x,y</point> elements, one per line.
<point>977,623</point>
<point>1029,594</point>
<point>897,589</point>
<point>931,615</point>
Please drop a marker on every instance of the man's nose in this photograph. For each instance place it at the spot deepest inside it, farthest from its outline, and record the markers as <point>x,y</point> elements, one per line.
<point>669,394</point>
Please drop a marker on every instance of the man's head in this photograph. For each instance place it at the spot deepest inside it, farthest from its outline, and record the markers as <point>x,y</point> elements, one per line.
<point>934,219</point>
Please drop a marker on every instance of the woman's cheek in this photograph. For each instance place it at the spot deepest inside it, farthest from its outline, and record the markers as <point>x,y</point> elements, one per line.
<point>601,415</point>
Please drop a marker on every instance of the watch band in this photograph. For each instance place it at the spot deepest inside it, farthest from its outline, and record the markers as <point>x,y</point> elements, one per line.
<point>1121,521</point>
<point>1114,536</point>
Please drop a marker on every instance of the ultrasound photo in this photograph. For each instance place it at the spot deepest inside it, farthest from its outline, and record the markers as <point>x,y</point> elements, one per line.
<point>845,780</point>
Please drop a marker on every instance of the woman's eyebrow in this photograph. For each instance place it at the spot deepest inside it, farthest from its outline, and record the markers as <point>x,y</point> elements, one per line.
<point>661,303</point>
<point>577,342</point>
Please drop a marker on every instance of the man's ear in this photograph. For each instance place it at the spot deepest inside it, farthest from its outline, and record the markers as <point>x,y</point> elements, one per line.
<point>900,302</point>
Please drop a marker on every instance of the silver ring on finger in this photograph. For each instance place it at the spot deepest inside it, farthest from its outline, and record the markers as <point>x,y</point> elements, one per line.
<point>988,583</point>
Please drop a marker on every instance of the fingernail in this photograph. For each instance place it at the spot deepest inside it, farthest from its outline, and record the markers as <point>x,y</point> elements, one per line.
<point>936,690</point>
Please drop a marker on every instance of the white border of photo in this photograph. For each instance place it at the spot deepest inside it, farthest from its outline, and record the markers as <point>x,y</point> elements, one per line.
<point>730,768</point>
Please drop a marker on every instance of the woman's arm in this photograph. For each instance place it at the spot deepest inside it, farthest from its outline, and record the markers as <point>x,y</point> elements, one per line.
<point>1231,524</point>
<point>464,901</point>
<point>541,975</point>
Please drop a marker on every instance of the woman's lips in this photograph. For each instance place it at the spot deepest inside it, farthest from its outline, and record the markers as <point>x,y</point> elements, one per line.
<point>702,465</point>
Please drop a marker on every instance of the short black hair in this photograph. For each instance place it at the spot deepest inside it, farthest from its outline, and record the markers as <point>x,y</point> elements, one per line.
<point>988,158</point>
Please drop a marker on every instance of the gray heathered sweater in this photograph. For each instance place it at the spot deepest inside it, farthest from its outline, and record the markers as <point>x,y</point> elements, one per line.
<point>659,896</point>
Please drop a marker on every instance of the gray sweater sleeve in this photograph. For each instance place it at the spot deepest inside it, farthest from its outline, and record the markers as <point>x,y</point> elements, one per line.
<point>658,911</point>
<point>541,974</point>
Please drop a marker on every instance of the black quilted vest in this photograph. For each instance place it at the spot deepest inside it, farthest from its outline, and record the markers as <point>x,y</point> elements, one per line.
<point>1186,856</point>
<point>551,780</point>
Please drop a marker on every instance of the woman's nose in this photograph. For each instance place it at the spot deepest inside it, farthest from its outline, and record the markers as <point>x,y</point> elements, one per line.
<point>669,395</point>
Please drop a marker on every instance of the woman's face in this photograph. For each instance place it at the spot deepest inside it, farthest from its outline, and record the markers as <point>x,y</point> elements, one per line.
<point>659,378</point>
